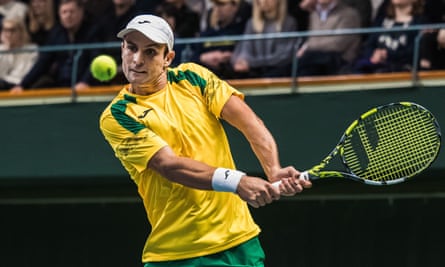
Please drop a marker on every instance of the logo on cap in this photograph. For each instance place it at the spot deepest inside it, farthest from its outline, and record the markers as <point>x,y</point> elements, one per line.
<point>144,21</point>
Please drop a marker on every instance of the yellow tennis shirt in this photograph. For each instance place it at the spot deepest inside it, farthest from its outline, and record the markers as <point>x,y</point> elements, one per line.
<point>184,115</point>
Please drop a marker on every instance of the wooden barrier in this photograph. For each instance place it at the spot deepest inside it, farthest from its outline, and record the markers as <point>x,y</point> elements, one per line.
<point>256,86</point>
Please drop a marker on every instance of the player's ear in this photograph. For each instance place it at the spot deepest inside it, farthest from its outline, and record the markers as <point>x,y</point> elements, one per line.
<point>169,58</point>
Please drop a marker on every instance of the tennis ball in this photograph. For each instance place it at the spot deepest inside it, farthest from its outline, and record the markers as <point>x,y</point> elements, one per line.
<point>103,68</point>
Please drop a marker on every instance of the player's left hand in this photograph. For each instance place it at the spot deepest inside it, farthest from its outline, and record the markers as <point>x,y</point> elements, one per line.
<point>291,183</point>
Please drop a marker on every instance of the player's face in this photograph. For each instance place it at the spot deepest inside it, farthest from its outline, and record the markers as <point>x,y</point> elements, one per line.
<point>143,61</point>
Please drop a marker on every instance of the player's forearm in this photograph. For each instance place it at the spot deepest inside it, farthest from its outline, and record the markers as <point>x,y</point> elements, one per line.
<point>185,171</point>
<point>239,115</point>
<point>193,173</point>
<point>264,146</point>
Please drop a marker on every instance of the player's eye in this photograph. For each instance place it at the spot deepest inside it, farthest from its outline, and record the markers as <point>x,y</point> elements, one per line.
<point>151,52</point>
<point>132,48</point>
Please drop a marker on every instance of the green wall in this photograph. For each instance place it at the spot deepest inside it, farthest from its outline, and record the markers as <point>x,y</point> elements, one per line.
<point>63,140</point>
<point>66,201</point>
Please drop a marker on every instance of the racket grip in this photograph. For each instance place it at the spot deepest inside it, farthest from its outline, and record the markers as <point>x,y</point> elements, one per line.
<point>303,175</point>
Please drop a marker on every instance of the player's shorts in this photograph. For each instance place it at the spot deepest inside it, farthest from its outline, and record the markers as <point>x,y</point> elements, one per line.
<point>248,254</point>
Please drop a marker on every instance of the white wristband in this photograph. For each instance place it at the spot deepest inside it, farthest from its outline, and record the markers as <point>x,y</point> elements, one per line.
<point>226,180</point>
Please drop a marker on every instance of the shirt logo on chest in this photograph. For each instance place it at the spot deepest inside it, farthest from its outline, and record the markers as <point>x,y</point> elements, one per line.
<point>144,113</point>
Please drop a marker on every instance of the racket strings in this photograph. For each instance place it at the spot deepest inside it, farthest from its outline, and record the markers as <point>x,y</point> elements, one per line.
<point>402,142</point>
<point>395,142</point>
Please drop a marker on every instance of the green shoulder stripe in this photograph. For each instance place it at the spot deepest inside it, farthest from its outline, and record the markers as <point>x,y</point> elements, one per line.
<point>188,75</point>
<point>118,112</point>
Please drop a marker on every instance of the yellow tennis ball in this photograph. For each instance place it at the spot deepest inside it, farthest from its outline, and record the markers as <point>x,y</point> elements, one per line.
<point>103,68</point>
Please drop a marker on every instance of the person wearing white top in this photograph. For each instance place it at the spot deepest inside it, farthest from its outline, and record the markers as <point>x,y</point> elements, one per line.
<point>15,64</point>
<point>13,9</point>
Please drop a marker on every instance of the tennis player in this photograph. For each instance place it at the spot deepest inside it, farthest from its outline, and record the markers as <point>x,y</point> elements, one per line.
<point>165,128</point>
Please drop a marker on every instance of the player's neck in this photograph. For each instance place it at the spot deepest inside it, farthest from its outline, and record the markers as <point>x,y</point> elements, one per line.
<point>150,86</point>
<point>147,88</point>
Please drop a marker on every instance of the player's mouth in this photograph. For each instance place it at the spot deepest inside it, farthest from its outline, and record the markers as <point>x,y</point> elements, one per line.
<point>138,71</point>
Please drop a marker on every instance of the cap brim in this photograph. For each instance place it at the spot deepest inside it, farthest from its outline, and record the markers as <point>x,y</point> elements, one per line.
<point>124,32</point>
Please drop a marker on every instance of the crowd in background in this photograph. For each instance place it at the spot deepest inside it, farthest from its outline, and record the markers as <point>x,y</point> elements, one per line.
<point>27,24</point>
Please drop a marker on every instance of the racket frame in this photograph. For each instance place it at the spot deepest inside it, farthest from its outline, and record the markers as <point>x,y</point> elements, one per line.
<point>317,172</point>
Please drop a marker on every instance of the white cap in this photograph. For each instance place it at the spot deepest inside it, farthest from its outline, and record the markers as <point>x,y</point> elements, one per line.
<point>153,27</point>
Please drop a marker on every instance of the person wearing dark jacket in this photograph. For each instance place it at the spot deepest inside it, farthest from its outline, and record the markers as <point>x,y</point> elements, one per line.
<point>55,68</point>
<point>113,20</point>
<point>225,18</point>
<point>187,20</point>
<point>392,51</point>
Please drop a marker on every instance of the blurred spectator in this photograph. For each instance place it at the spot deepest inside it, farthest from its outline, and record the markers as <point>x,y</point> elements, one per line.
<point>114,19</point>
<point>225,18</point>
<point>187,22</point>
<point>380,10</point>
<point>54,69</point>
<point>266,57</point>
<point>364,8</point>
<point>40,20</point>
<point>169,12</point>
<point>147,6</point>
<point>308,5</point>
<point>14,65</point>
<point>97,8</point>
<point>13,9</point>
<point>201,7</point>
<point>392,51</point>
<point>432,50</point>
<point>432,10</point>
<point>198,6</point>
<point>301,10</point>
<point>328,55</point>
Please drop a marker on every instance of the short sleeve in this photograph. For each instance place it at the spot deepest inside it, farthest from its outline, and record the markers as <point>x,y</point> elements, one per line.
<point>218,92</point>
<point>132,149</point>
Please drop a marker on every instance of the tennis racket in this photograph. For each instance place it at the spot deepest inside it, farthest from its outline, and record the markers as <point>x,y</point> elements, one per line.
<point>386,145</point>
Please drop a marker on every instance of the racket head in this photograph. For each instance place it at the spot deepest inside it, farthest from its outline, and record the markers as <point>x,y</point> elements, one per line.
<point>389,144</point>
